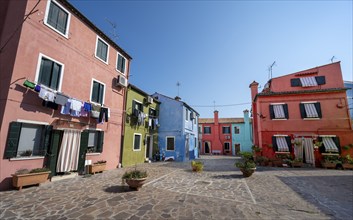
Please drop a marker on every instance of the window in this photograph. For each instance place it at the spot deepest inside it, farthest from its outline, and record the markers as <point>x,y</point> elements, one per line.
<point>97,92</point>
<point>226,130</point>
<point>207,130</point>
<point>279,111</point>
<point>102,50</point>
<point>186,115</point>
<point>170,143</point>
<point>152,113</point>
<point>330,144</point>
<point>57,18</point>
<point>120,64</point>
<point>95,141</point>
<point>226,146</point>
<point>236,130</point>
<point>310,110</point>
<point>137,107</point>
<point>50,73</point>
<point>281,143</point>
<point>137,142</point>
<point>200,129</point>
<point>308,81</point>
<point>26,139</point>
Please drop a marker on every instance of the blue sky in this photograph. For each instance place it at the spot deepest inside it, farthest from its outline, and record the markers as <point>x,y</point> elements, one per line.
<point>215,49</point>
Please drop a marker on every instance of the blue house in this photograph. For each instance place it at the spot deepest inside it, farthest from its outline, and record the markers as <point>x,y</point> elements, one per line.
<point>242,134</point>
<point>349,86</point>
<point>178,131</point>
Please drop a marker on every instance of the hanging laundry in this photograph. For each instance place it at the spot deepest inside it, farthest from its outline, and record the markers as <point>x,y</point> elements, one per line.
<point>76,105</point>
<point>95,111</point>
<point>37,88</point>
<point>103,113</point>
<point>86,109</point>
<point>61,99</point>
<point>46,94</point>
<point>51,105</point>
<point>65,109</point>
<point>29,84</point>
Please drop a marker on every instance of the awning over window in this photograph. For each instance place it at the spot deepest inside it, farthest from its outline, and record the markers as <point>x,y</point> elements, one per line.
<point>310,110</point>
<point>279,111</point>
<point>329,144</point>
<point>308,81</point>
<point>282,144</point>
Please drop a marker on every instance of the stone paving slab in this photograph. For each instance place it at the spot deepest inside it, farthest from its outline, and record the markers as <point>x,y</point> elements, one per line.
<point>172,191</point>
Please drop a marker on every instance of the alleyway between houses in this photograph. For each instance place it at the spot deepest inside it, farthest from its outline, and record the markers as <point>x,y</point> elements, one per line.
<point>174,192</point>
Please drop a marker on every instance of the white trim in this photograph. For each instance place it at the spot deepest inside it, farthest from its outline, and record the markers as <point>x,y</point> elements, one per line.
<point>93,154</point>
<point>66,35</point>
<point>327,136</point>
<point>309,102</point>
<point>279,119</point>
<point>95,51</point>
<point>166,143</point>
<point>116,64</point>
<point>187,114</point>
<point>90,94</point>
<point>277,103</point>
<point>38,69</point>
<point>32,122</point>
<point>311,119</point>
<point>280,135</point>
<point>133,142</point>
<point>26,158</point>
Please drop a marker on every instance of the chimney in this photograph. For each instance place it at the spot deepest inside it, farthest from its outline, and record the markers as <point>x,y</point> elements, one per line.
<point>177,98</point>
<point>246,116</point>
<point>254,87</point>
<point>215,117</point>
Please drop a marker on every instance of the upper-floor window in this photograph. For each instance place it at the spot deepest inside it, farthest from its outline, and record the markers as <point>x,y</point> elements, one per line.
<point>102,50</point>
<point>120,63</point>
<point>279,111</point>
<point>236,130</point>
<point>186,114</point>
<point>308,81</point>
<point>57,18</point>
<point>152,112</point>
<point>226,130</point>
<point>97,92</point>
<point>49,73</point>
<point>207,130</point>
<point>310,110</point>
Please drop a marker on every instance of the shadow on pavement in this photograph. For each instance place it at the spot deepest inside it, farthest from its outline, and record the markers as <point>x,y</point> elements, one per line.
<point>118,189</point>
<point>230,176</point>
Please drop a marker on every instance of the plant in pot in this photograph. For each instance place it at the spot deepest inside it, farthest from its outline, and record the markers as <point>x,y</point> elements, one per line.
<point>25,177</point>
<point>197,166</point>
<point>97,167</point>
<point>331,161</point>
<point>347,162</point>
<point>297,162</point>
<point>134,178</point>
<point>247,165</point>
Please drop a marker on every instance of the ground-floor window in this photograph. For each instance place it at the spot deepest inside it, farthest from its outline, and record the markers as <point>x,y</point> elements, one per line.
<point>170,143</point>
<point>207,147</point>
<point>281,143</point>
<point>95,141</point>
<point>137,142</point>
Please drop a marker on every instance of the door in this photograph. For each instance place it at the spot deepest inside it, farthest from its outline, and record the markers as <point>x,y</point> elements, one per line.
<point>187,147</point>
<point>149,146</point>
<point>52,154</point>
<point>237,149</point>
<point>207,147</point>
<point>309,156</point>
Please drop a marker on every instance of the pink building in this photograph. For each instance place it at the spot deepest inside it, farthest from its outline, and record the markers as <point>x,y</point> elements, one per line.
<point>295,111</point>
<point>62,89</point>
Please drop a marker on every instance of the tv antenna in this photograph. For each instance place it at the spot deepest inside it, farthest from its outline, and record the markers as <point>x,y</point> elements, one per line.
<point>270,70</point>
<point>113,31</point>
<point>333,57</point>
<point>178,85</point>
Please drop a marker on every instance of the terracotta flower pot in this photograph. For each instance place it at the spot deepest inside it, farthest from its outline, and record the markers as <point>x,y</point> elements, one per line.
<point>247,171</point>
<point>96,168</point>
<point>20,180</point>
<point>135,184</point>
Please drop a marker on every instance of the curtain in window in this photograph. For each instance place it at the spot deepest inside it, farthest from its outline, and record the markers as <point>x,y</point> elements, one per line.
<point>69,151</point>
<point>308,81</point>
<point>329,144</point>
<point>310,110</point>
<point>278,111</point>
<point>309,150</point>
<point>282,144</point>
<point>298,148</point>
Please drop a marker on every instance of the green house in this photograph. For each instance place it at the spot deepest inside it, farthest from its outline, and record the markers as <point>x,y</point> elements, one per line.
<point>140,141</point>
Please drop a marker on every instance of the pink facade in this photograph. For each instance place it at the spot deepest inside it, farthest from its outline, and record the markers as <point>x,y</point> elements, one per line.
<point>74,50</point>
<point>216,135</point>
<point>307,104</point>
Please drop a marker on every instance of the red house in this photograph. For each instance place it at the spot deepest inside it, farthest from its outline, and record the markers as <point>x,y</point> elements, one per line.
<point>295,111</point>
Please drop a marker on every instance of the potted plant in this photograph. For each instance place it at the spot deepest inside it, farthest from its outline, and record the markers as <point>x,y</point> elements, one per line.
<point>330,161</point>
<point>297,162</point>
<point>97,167</point>
<point>262,160</point>
<point>25,177</point>
<point>247,166</point>
<point>347,162</point>
<point>134,178</point>
<point>197,166</point>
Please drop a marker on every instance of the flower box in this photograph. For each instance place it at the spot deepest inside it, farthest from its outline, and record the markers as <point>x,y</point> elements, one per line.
<point>20,180</point>
<point>328,165</point>
<point>347,166</point>
<point>96,168</point>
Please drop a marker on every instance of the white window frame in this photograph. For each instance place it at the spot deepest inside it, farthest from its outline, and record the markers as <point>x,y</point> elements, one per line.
<point>133,142</point>
<point>166,143</point>
<point>279,119</point>
<point>49,58</point>
<point>139,102</point>
<point>90,95</point>
<point>236,128</point>
<point>310,119</point>
<point>116,65</point>
<point>95,51</point>
<point>187,114</point>
<point>66,35</point>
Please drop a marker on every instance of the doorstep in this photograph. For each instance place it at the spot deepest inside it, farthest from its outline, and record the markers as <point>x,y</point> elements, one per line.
<point>63,177</point>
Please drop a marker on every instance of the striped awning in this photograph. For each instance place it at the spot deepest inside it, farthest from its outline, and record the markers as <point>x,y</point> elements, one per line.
<point>308,81</point>
<point>282,144</point>
<point>278,111</point>
<point>329,144</point>
<point>310,110</point>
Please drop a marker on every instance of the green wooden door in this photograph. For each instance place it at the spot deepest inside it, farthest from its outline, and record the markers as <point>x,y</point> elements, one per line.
<point>52,155</point>
<point>83,150</point>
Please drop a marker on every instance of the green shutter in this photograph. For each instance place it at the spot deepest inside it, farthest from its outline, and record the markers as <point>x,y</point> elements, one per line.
<point>100,141</point>
<point>318,109</point>
<point>302,110</point>
<point>337,142</point>
<point>45,144</point>
<point>285,109</point>
<point>53,149</point>
<point>13,138</point>
<point>272,113</point>
<point>289,143</point>
<point>83,150</point>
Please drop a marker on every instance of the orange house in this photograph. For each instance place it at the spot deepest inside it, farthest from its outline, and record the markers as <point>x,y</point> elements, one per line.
<point>295,111</point>
<point>62,90</point>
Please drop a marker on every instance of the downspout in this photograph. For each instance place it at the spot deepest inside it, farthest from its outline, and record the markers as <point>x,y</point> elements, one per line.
<point>123,118</point>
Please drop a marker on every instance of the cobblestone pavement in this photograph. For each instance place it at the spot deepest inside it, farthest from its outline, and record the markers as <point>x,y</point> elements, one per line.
<point>174,192</point>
